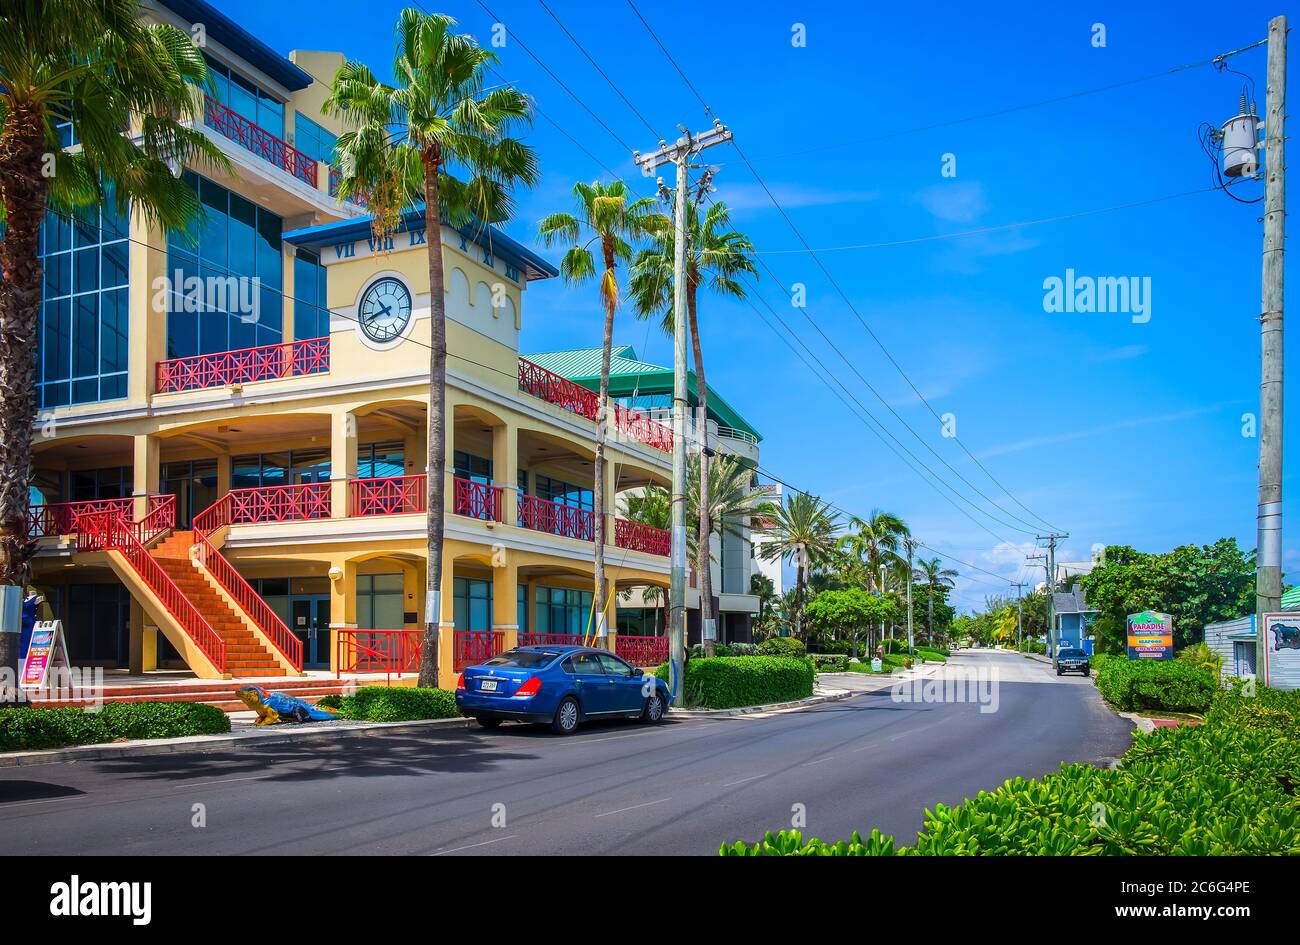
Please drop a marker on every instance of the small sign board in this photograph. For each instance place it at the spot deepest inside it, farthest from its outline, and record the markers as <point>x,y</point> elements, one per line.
<point>1282,652</point>
<point>47,650</point>
<point>1150,636</point>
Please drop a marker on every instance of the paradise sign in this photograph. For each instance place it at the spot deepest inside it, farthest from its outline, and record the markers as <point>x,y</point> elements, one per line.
<point>1150,636</point>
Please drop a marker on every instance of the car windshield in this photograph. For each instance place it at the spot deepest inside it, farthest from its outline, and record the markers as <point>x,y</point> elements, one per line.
<point>524,659</point>
<point>1073,654</point>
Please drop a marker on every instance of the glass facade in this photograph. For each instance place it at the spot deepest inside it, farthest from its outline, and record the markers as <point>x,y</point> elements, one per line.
<point>81,336</point>
<point>311,317</point>
<point>97,619</point>
<point>562,610</point>
<point>242,96</point>
<point>313,140</point>
<point>473,604</point>
<point>565,493</point>
<point>379,601</point>
<point>226,276</point>
<point>471,467</point>
<point>381,460</point>
<point>283,468</point>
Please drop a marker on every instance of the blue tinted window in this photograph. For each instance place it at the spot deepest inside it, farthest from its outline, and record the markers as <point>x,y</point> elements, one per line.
<point>313,140</point>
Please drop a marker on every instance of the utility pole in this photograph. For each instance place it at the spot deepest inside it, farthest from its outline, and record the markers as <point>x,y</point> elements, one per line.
<point>1020,596</point>
<point>679,153</point>
<point>1042,558</point>
<point>1268,573</point>
<point>1051,589</point>
<point>911,642</point>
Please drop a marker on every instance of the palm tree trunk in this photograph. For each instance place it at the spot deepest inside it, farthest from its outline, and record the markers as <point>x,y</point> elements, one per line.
<point>22,144</point>
<point>929,615</point>
<point>705,554</point>
<point>437,457</point>
<point>610,299</point>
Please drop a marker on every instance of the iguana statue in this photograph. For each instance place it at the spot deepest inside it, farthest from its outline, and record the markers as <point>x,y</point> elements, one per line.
<point>271,707</point>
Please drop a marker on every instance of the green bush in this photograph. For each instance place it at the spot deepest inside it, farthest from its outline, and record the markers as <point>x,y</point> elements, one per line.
<point>34,729</point>
<point>729,682</point>
<point>743,649</point>
<point>397,704</point>
<point>1203,657</point>
<point>1159,685</point>
<point>928,655</point>
<point>829,662</point>
<point>719,649</point>
<point>1227,787</point>
<point>889,663</point>
<point>781,646</point>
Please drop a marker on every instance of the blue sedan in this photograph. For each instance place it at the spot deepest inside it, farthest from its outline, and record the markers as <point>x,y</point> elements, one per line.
<point>560,686</point>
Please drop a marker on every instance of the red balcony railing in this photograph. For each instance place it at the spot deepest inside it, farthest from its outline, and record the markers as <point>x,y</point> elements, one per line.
<point>557,390</point>
<point>552,639</point>
<point>259,141</point>
<point>639,426</point>
<point>390,495</point>
<point>60,518</point>
<point>637,537</point>
<point>244,366</point>
<point>472,647</point>
<point>645,652</point>
<point>335,176</point>
<point>378,651</point>
<point>297,503</point>
<point>477,500</point>
<point>542,515</point>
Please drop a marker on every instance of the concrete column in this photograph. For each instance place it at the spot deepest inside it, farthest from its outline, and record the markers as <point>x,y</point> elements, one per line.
<point>343,604</point>
<point>147,470</point>
<point>287,309</point>
<point>147,331</point>
<point>343,460</point>
<point>505,469</point>
<point>449,462</point>
<point>604,623</point>
<point>447,630</point>
<point>505,601</point>
<point>611,505</point>
<point>223,474</point>
<point>142,642</point>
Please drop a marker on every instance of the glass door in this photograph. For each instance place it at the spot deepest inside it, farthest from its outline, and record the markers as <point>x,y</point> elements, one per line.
<point>310,618</point>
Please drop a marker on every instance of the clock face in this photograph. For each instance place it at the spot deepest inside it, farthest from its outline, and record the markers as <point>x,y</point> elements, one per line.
<point>385,310</point>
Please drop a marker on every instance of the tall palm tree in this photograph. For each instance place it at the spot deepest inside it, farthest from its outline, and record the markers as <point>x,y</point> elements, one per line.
<point>875,542</point>
<point>131,91</point>
<point>604,216</point>
<point>734,501</point>
<point>934,575</point>
<point>403,143</point>
<point>806,529</point>
<point>908,555</point>
<point>716,258</point>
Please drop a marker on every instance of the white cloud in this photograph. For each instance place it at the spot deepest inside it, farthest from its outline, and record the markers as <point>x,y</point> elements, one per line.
<point>790,196</point>
<point>956,202</point>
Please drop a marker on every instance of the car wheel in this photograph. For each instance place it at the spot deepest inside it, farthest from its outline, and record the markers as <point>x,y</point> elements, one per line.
<point>566,717</point>
<point>488,723</point>
<point>1060,672</point>
<point>653,713</point>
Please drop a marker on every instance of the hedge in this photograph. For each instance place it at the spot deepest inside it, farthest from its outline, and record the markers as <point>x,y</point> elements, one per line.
<point>729,682</point>
<point>890,662</point>
<point>781,646</point>
<point>394,704</point>
<point>34,729</point>
<point>829,662</point>
<point>1227,787</point>
<point>1145,685</point>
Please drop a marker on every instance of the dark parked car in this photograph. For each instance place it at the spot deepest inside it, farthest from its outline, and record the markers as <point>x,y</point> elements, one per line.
<point>1072,661</point>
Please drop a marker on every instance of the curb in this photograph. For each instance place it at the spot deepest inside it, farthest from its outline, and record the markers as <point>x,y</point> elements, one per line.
<point>240,737</point>
<point>829,695</point>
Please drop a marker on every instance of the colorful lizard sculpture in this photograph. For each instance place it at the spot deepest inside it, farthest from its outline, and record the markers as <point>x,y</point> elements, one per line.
<point>272,707</point>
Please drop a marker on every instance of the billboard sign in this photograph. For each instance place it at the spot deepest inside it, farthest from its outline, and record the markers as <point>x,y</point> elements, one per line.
<point>47,651</point>
<point>1282,652</point>
<point>1150,636</point>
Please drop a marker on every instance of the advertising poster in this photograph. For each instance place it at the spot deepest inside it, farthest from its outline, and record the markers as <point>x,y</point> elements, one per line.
<point>1150,636</point>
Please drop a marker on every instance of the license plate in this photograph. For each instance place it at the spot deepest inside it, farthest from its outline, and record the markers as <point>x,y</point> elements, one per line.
<point>487,685</point>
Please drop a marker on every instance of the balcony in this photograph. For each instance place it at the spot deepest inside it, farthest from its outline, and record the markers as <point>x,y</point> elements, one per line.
<point>257,140</point>
<point>637,537</point>
<point>297,503</point>
<point>335,177</point>
<point>244,366</point>
<point>565,394</point>
<point>568,521</point>
<point>477,500</point>
<point>393,495</point>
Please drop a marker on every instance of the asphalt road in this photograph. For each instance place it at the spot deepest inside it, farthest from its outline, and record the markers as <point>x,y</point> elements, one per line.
<point>680,787</point>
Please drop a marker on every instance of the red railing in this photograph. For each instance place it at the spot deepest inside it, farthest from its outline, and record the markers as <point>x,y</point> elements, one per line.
<point>297,503</point>
<point>111,531</point>
<point>378,651</point>
<point>390,495</point>
<point>60,518</point>
<point>218,515</point>
<point>550,639</point>
<point>244,366</point>
<point>637,537</point>
<point>645,652</point>
<point>335,176</point>
<point>477,500</point>
<point>259,141</point>
<point>557,390</point>
<point>639,426</point>
<point>472,647</point>
<point>542,515</point>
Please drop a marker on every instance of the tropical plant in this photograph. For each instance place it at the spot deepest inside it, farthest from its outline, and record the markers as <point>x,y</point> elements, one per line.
<point>716,258</point>
<point>874,542</point>
<point>805,529</point>
<point>132,92</point>
<point>848,614</point>
<point>403,142</point>
<point>935,576</point>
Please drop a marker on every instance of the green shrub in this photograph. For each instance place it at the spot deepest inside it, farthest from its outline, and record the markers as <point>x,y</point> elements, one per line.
<point>928,655</point>
<point>1159,685</point>
<point>889,663</point>
<point>719,649</point>
<point>35,729</point>
<point>163,719</point>
<point>729,682</point>
<point>332,700</point>
<point>1227,787</point>
<point>1203,657</point>
<point>743,649</point>
<point>829,662</point>
<point>781,646</point>
<point>398,704</point>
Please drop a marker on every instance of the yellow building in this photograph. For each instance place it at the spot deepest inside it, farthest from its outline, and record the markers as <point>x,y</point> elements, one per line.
<point>232,449</point>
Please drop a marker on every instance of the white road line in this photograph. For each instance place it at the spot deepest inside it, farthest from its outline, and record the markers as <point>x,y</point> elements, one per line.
<point>623,810</point>
<point>742,780</point>
<point>473,845</point>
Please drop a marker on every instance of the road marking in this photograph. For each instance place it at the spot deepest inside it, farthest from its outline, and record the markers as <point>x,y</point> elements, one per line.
<point>623,810</point>
<point>742,780</point>
<point>809,764</point>
<point>471,846</point>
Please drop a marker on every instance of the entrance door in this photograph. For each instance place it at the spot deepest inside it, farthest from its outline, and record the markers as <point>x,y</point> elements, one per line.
<point>311,624</point>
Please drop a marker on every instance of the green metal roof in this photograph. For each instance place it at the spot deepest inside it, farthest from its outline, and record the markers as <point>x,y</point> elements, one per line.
<point>1291,599</point>
<point>628,375</point>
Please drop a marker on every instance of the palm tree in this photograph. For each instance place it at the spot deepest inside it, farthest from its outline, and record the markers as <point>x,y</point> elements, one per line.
<point>906,576</point>
<point>733,499</point>
<point>874,541</point>
<point>934,575</point>
<point>764,588</point>
<point>716,257</point>
<point>131,91</point>
<point>803,528</point>
<point>605,216</point>
<point>402,139</point>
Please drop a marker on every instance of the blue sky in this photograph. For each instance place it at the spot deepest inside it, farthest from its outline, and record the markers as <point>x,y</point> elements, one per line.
<point>1115,431</point>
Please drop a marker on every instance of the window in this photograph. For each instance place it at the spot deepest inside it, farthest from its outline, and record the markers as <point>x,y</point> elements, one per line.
<point>583,663</point>
<point>562,610</point>
<point>564,493</point>
<point>97,618</point>
<point>613,666</point>
<point>471,467</point>
<point>242,96</point>
<point>381,460</point>
<point>379,601</point>
<point>81,335</point>
<point>311,317</point>
<point>521,607</point>
<point>313,140</point>
<point>284,468</point>
<point>473,604</point>
<point>85,485</point>
<point>227,274</point>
